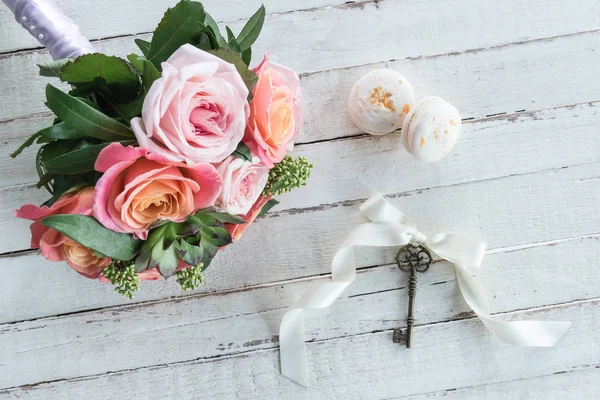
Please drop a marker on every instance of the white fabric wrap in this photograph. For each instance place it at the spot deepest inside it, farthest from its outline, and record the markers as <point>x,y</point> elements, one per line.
<point>44,20</point>
<point>390,228</point>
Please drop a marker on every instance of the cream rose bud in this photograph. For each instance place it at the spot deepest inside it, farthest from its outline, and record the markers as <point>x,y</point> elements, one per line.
<point>196,112</point>
<point>243,182</point>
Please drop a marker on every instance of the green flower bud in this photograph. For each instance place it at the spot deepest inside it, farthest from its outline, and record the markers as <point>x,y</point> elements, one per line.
<point>123,277</point>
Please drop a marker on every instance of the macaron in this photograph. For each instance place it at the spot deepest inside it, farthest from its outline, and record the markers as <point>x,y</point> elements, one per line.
<point>380,101</point>
<point>431,129</point>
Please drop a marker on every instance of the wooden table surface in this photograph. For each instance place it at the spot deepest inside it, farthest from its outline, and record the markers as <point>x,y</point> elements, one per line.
<point>524,176</point>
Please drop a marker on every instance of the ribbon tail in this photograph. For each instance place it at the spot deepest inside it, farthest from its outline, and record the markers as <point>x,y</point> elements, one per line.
<point>291,345</point>
<point>520,333</point>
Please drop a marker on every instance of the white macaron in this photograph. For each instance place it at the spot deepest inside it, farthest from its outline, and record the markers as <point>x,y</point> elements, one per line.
<point>380,100</point>
<point>431,129</point>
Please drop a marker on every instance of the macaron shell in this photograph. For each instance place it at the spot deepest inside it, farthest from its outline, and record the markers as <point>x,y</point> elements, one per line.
<point>432,129</point>
<point>380,100</point>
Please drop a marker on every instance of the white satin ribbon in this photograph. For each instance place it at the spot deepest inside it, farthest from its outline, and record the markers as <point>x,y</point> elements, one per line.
<point>45,21</point>
<point>390,228</point>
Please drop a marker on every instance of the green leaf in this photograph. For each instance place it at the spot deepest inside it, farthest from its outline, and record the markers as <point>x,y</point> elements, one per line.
<point>88,102</point>
<point>230,35</point>
<point>40,173</point>
<point>80,116</point>
<point>267,207</point>
<point>61,131</point>
<point>224,217</point>
<point>89,233</point>
<point>137,61</point>
<point>168,261</point>
<point>52,69</point>
<point>247,56</point>
<point>243,151</point>
<point>55,149</point>
<point>44,180</point>
<point>97,86</point>
<point>209,251</point>
<point>122,83</point>
<point>217,236</point>
<point>190,254</point>
<point>248,76</point>
<point>251,30</point>
<point>143,45</point>
<point>204,43</point>
<point>76,161</point>
<point>130,109</point>
<point>143,260</point>
<point>151,73</point>
<point>234,45</point>
<point>212,24</point>
<point>180,25</point>
<point>25,144</point>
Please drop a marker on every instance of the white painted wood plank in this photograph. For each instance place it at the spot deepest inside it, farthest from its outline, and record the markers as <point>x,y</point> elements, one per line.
<point>504,212</point>
<point>348,35</point>
<point>76,345</point>
<point>114,18</point>
<point>523,85</point>
<point>357,167</point>
<point>448,356</point>
<point>501,79</point>
<point>578,384</point>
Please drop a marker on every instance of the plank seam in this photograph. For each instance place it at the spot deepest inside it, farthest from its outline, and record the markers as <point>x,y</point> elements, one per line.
<point>247,353</point>
<point>575,369</point>
<point>355,202</point>
<point>316,277</point>
<point>346,4</point>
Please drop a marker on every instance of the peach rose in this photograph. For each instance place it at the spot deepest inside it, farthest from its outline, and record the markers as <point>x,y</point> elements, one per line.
<point>196,112</point>
<point>57,247</point>
<point>236,231</point>
<point>243,182</point>
<point>275,111</point>
<point>139,188</point>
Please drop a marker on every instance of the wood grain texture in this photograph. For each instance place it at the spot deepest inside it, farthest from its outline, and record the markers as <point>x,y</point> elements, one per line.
<point>523,86</point>
<point>364,366</point>
<point>132,18</point>
<point>577,383</point>
<point>526,182</point>
<point>507,212</point>
<point>249,320</point>
<point>343,36</point>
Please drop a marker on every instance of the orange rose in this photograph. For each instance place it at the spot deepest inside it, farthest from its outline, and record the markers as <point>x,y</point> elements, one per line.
<point>139,188</point>
<point>57,247</point>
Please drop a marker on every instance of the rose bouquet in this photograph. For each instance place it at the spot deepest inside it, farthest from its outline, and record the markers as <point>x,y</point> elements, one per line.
<point>157,161</point>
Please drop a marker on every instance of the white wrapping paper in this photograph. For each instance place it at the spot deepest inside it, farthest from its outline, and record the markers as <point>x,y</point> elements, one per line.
<point>44,20</point>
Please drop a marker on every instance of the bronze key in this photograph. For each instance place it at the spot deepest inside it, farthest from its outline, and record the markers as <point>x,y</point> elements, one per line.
<point>411,259</point>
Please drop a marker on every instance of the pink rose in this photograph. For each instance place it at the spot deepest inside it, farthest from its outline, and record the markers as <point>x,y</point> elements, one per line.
<point>236,231</point>
<point>196,112</point>
<point>57,247</point>
<point>243,182</point>
<point>275,111</point>
<point>139,188</point>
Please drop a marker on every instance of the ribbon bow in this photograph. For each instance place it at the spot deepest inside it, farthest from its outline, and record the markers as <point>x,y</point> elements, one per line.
<point>391,228</point>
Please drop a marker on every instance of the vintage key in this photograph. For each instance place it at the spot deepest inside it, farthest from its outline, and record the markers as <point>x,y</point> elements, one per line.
<point>411,259</point>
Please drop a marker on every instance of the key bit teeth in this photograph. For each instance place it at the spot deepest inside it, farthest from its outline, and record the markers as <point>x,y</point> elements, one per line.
<point>399,336</point>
